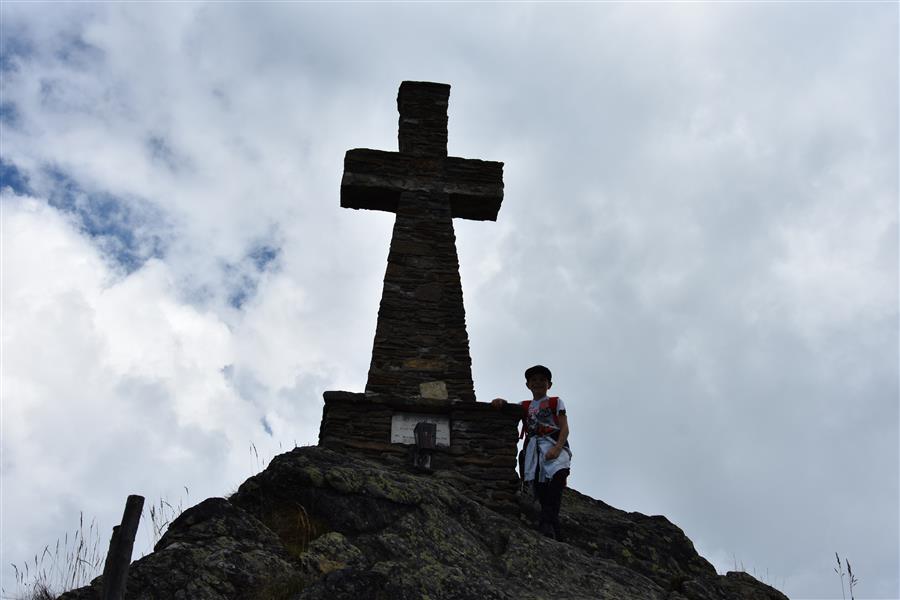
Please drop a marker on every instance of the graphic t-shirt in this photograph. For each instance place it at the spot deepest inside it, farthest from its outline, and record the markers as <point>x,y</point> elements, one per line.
<point>540,419</point>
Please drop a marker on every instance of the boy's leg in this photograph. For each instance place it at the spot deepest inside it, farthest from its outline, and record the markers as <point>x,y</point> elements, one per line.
<point>542,491</point>
<point>552,499</point>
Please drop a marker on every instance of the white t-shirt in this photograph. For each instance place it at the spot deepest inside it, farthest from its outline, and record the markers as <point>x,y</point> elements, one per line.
<point>539,415</point>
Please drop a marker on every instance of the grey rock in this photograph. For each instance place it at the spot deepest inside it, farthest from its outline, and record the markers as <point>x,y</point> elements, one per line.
<point>212,550</point>
<point>317,524</point>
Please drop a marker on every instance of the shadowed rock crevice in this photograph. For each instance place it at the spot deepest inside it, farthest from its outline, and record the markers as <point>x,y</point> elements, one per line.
<point>320,524</point>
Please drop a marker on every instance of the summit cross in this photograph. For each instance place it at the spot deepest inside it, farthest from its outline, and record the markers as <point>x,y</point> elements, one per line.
<point>421,347</point>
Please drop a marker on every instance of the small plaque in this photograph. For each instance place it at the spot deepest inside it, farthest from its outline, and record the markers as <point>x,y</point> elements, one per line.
<point>434,390</point>
<point>403,427</point>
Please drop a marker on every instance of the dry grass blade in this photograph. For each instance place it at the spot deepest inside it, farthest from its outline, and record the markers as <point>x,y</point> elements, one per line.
<point>73,562</point>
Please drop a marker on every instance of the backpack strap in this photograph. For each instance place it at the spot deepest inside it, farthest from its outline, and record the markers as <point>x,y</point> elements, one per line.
<point>554,408</point>
<point>525,405</point>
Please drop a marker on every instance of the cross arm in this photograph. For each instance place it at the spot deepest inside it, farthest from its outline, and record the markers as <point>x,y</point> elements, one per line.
<point>374,179</point>
<point>475,188</point>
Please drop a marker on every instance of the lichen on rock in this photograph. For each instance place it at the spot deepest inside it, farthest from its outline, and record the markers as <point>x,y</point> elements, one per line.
<point>320,524</point>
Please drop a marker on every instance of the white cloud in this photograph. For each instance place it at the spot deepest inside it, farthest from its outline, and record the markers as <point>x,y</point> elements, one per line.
<point>112,384</point>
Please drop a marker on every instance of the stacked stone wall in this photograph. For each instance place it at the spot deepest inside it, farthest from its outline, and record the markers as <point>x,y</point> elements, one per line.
<point>480,460</point>
<point>421,332</point>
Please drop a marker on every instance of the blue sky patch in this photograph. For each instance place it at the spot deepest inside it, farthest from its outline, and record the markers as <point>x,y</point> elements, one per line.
<point>244,277</point>
<point>78,54</point>
<point>242,291</point>
<point>12,177</point>
<point>262,256</point>
<point>13,48</point>
<point>9,114</point>
<point>128,230</point>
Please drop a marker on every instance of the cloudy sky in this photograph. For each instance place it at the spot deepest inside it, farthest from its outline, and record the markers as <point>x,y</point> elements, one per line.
<point>699,236</point>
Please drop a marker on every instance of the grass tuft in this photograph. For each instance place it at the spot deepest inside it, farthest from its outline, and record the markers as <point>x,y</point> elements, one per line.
<point>162,514</point>
<point>73,562</point>
<point>761,577</point>
<point>294,527</point>
<point>851,578</point>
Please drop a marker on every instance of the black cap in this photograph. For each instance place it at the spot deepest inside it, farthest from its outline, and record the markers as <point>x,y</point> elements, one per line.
<point>539,369</point>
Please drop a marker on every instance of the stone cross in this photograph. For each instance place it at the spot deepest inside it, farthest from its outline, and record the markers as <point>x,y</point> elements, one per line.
<point>421,347</point>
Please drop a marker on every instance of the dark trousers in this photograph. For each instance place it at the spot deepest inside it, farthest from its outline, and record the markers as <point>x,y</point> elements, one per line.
<point>549,494</point>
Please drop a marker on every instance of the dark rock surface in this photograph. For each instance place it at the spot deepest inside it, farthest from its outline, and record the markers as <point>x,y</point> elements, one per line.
<point>321,524</point>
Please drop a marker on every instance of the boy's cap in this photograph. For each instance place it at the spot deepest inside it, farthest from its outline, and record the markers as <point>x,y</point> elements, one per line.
<point>539,369</point>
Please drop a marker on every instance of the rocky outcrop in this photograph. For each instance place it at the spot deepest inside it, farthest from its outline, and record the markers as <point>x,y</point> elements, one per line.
<point>321,524</point>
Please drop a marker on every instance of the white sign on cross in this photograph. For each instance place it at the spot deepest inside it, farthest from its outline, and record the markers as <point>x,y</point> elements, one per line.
<point>403,428</point>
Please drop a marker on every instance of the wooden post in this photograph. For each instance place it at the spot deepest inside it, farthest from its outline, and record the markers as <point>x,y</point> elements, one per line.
<point>121,544</point>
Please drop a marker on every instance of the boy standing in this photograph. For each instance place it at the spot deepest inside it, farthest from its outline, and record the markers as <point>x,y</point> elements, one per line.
<point>545,457</point>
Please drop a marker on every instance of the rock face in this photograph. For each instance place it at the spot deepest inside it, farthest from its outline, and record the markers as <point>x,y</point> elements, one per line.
<point>320,524</point>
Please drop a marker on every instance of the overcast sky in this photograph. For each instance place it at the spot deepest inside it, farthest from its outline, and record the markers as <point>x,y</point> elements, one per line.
<point>699,236</point>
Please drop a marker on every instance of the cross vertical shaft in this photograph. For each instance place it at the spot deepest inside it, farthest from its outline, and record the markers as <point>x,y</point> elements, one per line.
<point>421,347</point>
<point>421,332</point>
